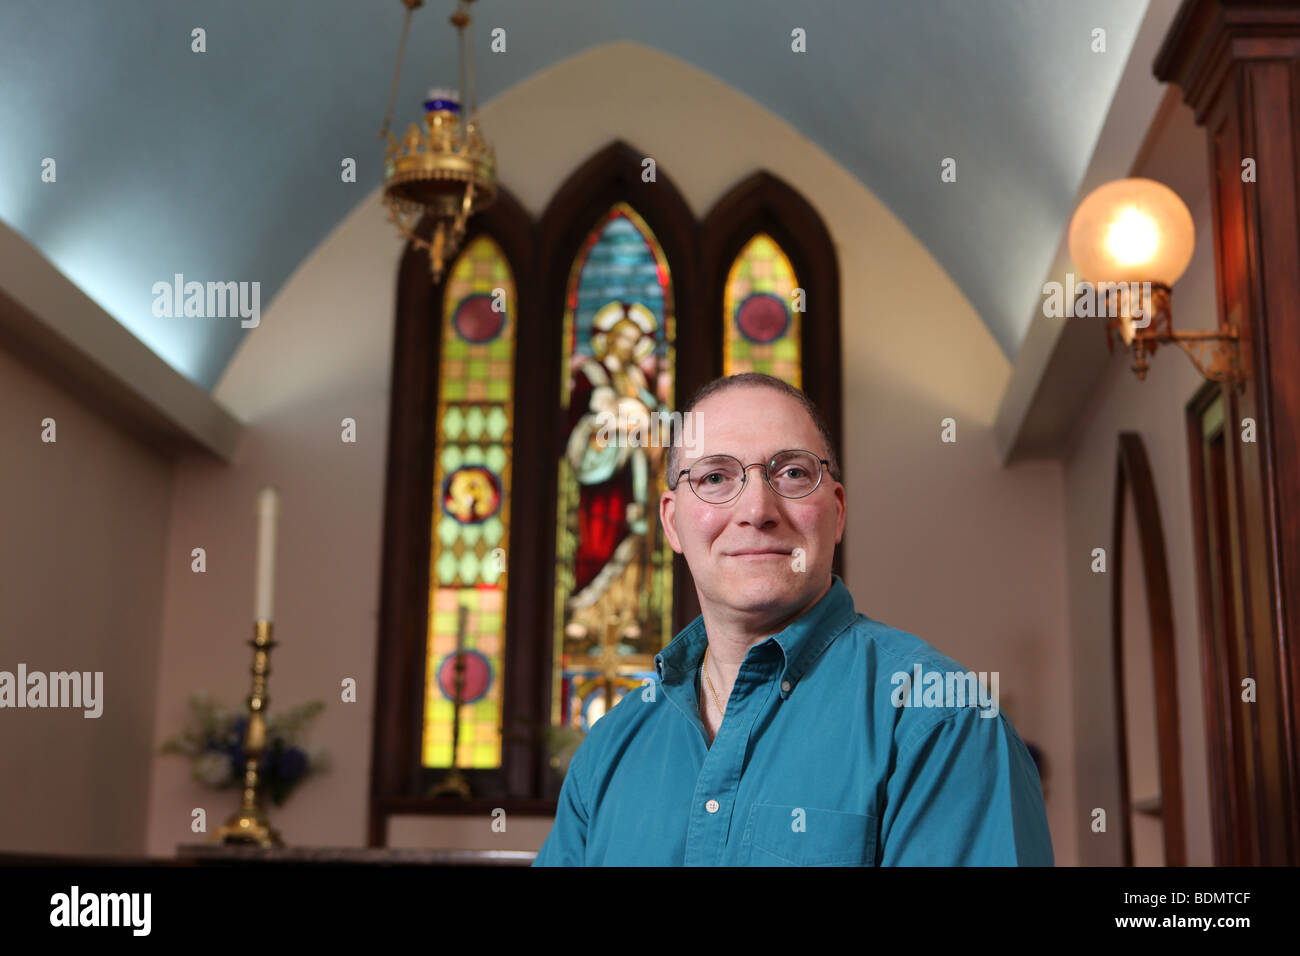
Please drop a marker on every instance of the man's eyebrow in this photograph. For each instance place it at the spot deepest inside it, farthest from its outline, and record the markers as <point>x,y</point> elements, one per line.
<point>765,459</point>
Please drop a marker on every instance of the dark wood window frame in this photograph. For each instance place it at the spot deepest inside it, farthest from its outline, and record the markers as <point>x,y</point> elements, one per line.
<point>540,254</point>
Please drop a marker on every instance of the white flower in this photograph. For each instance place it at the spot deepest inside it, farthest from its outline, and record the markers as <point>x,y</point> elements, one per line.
<point>212,769</point>
<point>317,759</point>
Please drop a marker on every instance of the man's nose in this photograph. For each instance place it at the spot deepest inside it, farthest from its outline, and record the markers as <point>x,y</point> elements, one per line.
<point>757,502</point>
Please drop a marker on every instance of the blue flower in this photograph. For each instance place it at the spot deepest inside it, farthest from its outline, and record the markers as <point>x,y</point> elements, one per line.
<point>292,764</point>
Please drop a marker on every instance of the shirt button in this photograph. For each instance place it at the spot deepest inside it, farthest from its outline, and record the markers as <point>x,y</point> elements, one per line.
<point>785,686</point>
<point>711,806</point>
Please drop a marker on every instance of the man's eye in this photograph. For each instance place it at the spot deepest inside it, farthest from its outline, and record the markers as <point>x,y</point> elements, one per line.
<point>713,474</point>
<point>794,472</point>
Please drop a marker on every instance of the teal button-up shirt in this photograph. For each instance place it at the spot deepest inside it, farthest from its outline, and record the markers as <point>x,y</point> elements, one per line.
<point>827,756</point>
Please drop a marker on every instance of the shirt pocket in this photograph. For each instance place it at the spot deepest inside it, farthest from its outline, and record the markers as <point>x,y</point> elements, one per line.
<point>790,835</point>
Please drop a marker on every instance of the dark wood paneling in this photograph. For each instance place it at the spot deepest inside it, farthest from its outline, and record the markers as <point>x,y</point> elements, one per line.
<point>1238,64</point>
<point>1203,494</point>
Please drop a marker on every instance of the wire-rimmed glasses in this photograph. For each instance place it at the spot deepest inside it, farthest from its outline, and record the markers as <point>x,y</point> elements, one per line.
<point>719,478</point>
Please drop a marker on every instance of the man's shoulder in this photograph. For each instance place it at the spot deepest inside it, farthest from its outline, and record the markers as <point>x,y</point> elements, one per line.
<point>890,646</point>
<point>911,680</point>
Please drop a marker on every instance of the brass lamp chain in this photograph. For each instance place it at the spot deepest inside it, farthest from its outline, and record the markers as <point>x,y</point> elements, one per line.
<point>472,93</point>
<point>411,6</point>
<point>460,18</point>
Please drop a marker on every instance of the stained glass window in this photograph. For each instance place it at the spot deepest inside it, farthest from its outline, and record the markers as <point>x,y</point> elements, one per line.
<point>613,597</point>
<point>760,313</point>
<point>471,512</point>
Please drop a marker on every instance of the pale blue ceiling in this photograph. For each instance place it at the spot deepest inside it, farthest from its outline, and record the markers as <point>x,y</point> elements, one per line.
<point>225,165</point>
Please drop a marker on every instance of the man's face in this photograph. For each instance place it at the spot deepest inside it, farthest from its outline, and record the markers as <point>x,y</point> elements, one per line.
<point>742,553</point>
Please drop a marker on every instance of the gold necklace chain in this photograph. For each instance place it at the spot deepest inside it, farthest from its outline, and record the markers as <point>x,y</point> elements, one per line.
<point>705,667</point>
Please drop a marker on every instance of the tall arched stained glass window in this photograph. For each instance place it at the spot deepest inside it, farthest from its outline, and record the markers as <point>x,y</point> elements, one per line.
<point>761,325</point>
<point>613,600</point>
<point>471,512</point>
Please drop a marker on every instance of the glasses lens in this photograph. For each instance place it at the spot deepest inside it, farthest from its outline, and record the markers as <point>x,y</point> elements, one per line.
<point>795,473</point>
<point>717,478</point>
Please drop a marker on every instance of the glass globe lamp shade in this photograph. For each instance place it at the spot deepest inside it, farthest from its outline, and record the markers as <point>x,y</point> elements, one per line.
<point>1132,230</point>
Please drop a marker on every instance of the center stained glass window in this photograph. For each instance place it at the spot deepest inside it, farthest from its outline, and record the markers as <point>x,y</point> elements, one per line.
<point>613,594</point>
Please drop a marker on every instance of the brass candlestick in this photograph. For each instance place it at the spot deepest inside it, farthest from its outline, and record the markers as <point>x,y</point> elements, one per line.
<point>250,825</point>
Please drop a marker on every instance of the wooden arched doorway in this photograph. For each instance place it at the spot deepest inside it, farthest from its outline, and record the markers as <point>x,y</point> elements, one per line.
<point>1148,656</point>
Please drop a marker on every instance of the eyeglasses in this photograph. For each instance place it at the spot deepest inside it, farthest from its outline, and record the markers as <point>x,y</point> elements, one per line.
<point>719,478</point>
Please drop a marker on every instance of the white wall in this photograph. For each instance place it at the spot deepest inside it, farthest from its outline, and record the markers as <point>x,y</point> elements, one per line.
<point>941,541</point>
<point>83,527</point>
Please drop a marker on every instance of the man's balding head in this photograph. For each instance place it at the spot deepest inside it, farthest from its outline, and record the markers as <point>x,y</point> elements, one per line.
<point>752,380</point>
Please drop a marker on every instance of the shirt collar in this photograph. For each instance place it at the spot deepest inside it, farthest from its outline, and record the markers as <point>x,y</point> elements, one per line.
<point>801,642</point>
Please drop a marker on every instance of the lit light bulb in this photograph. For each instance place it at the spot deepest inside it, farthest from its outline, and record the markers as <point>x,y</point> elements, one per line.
<point>1132,230</point>
<point>1133,237</point>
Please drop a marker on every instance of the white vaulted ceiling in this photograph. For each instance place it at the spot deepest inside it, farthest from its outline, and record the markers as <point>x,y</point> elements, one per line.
<point>215,165</point>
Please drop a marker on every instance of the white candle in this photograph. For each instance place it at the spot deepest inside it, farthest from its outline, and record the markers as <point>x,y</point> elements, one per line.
<point>268,510</point>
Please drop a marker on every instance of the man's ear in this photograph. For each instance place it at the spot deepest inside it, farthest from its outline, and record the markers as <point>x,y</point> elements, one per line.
<point>667,515</point>
<point>842,504</point>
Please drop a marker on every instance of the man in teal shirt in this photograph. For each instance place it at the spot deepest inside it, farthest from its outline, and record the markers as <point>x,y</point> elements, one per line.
<point>785,728</point>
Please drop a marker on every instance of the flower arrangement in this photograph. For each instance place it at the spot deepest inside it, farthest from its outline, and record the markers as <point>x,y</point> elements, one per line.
<point>214,743</point>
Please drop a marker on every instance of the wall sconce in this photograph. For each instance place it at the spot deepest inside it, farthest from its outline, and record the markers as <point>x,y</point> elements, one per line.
<point>1132,239</point>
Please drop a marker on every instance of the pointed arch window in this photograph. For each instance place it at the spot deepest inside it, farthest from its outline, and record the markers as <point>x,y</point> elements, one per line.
<point>472,492</point>
<point>761,308</point>
<point>613,579</point>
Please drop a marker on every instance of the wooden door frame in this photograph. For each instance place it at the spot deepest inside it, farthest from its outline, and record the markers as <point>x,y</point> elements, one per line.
<point>1133,471</point>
